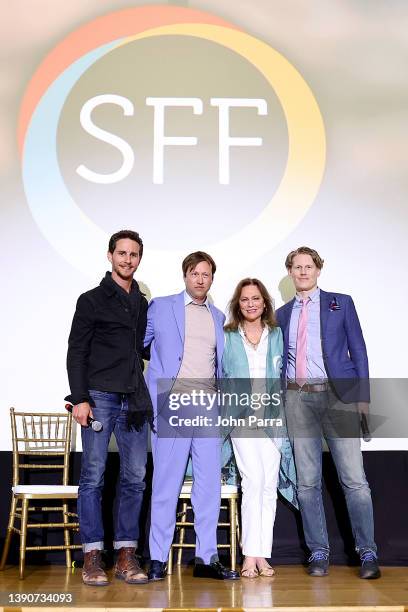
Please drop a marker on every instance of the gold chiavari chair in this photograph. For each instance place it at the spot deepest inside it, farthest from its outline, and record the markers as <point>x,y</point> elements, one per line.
<point>230,494</point>
<point>36,438</point>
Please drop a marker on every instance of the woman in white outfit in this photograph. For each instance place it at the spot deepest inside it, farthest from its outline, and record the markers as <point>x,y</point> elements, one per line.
<point>253,350</point>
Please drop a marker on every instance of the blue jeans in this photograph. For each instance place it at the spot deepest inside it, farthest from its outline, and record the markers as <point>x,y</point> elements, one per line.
<point>310,417</point>
<point>111,410</point>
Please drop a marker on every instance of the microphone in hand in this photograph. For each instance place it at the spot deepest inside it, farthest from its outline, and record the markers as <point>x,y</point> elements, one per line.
<point>95,425</point>
<point>365,430</point>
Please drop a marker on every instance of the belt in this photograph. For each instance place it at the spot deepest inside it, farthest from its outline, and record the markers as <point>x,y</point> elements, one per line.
<point>308,388</point>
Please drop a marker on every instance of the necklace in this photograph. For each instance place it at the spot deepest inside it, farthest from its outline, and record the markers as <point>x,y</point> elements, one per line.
<point>249,341</point>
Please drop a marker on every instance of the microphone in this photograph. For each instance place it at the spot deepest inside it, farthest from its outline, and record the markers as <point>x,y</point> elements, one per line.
<point>364,428</point>
<point>92,423</point>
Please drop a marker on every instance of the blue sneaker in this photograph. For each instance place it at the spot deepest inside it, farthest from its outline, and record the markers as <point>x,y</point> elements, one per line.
<point>318,563</point>
<point>369,569</point>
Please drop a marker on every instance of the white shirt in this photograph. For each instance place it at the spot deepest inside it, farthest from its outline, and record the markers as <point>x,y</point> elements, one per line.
<point>256,356</point>
<point>257,364</point>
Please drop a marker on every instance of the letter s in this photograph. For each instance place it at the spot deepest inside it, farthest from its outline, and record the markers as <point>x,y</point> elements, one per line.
<point>100,134</point>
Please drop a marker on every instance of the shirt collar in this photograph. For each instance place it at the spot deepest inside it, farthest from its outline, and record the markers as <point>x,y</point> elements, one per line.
<point>189,300</point>
<point>314,297</point>
<point>111,287</point>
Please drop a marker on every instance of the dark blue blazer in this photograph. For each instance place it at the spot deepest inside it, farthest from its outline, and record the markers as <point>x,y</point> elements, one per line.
<point>343,347</point>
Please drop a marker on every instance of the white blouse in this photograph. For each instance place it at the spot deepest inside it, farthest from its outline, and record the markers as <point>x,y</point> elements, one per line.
<point>257,364</point>
<point>256,356</point>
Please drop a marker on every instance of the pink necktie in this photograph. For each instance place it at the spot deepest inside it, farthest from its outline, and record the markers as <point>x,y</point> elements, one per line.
<point>301,344</point>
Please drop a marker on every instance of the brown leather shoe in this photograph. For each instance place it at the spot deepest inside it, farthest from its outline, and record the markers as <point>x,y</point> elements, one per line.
<point>92,572</point>
<point>127,567</point>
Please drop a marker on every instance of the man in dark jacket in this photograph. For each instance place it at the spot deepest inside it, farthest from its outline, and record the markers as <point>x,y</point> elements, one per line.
<point>105,370</point>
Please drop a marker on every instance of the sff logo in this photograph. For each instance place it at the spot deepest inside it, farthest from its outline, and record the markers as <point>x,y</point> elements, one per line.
<point>160,140</point>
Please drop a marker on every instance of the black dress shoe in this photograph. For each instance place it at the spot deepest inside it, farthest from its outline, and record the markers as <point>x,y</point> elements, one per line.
<point>157,571</point>
<point>318,564</point>
<point>214,570</point>
<point>369,569</point>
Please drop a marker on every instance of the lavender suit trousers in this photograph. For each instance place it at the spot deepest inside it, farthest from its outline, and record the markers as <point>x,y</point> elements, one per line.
<point>170,457</point>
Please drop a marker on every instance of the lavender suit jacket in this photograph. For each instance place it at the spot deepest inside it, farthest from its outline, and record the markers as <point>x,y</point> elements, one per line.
<point>165,334</point>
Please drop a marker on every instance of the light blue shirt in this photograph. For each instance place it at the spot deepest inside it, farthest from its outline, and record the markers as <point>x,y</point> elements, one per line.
<point>189,300</point>
<point>314,358</point>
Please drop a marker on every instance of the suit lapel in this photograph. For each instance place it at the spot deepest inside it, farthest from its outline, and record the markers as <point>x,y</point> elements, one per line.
<point>286,313</point>
<point>219,334</point>
<point>179,314</point>
<point>324,312</point>
<point>286,319</point>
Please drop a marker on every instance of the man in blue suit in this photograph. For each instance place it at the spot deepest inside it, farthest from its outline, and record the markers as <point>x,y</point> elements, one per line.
<point>325,367</point>
<point>186,338</point>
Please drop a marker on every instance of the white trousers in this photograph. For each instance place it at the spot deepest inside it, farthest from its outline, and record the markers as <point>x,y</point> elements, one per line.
<point>258,462</point>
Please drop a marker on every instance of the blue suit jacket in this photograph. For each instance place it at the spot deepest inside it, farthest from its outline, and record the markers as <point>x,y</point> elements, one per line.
<point>343,347</point>
<point>165,334</point>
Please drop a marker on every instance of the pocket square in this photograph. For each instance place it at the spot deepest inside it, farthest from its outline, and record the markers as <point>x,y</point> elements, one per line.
<point>334,305</point>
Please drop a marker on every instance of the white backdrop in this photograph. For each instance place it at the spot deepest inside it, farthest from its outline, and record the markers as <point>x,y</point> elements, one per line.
<point>353,59</point>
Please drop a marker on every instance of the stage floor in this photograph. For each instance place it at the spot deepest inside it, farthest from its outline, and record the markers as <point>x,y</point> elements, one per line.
<point>289,590</point>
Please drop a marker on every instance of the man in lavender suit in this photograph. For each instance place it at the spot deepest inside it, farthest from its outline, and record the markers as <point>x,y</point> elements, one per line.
<point>185,334</point>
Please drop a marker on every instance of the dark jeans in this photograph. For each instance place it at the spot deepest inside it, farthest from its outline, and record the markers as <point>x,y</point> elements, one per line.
<point>111,410</point>
<point>310,417</point>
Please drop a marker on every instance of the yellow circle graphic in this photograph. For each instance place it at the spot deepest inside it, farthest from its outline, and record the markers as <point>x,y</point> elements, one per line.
<point>306,151</point>
<point>296,192</point>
